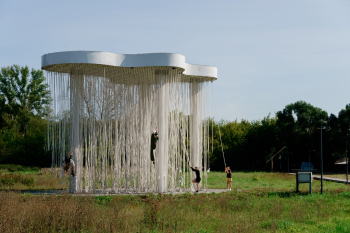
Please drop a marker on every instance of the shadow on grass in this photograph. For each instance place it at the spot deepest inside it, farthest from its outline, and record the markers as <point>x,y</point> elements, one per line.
<point>281,194</point>
<point>287,194</point>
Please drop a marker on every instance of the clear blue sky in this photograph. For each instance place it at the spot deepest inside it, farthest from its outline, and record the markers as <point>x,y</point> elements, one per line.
<point>269,53</point>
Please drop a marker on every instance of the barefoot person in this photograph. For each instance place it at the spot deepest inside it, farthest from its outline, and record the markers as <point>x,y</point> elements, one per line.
<point>229,178</point>
<point>198,177</point>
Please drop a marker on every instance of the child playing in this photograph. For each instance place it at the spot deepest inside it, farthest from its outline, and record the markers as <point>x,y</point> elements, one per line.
<point>229,178</point>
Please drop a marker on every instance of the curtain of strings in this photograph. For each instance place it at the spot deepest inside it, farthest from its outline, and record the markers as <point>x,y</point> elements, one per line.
<point>117,112</point>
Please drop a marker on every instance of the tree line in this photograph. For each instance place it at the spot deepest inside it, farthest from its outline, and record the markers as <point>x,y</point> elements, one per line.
<point>249,145</point>
<point>245,145</point>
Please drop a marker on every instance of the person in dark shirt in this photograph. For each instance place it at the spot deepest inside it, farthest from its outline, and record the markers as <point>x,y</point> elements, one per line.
<point>198,177</point>
<point>154,139</point>
<point>229,177</point>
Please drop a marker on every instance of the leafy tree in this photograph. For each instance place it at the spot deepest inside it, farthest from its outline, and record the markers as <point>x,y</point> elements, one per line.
<point>263,142</point>
<point>339,132</point>
<point>233,136</point>
<point>333,134</point>
<point>246,144</point>
<point>28,149</point>
<point>344,121</point>
<point>23,93</point>
<point>298,123</point>
<point>301,116</point>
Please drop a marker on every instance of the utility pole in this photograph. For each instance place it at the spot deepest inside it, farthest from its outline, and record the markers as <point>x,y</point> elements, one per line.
<point>280,163</point>
<point>321,128</point>
<point>291,153</point>
<point>309,158</point>
<point>346,157</point>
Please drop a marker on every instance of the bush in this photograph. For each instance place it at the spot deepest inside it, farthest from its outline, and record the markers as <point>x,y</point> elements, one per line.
<point>256,177</point>
<point>28,149</point>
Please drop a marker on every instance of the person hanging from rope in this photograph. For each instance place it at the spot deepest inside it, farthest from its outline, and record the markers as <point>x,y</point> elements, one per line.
<point>229,178</point>
<point>198,177</point>
<point>154,139</point>
<point>68,164</point>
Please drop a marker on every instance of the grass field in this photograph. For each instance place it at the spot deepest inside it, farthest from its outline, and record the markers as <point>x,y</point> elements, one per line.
<point>264,202</point>
<point>43,179</point>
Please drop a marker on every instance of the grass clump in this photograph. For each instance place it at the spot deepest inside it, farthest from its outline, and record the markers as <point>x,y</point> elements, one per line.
<point>12,179</point>
<point>256,177</point>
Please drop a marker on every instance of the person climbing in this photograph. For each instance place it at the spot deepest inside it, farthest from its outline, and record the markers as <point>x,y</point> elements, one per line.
<point>154,139</point>
<point>155,132</point>
<point>68,164</point>
<point>229,177</point>
<point>198,177</point>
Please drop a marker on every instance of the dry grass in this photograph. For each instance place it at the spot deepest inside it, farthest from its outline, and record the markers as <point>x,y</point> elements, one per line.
<point>228,212</point>
<point>43,179</point>
<point>268,203</point>
<point>23,213</point>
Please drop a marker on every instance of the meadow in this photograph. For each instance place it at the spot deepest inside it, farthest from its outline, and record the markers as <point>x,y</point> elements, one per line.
<point>258,202</point>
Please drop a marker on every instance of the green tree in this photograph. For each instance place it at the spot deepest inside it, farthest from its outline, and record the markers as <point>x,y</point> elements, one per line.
<point>246,145</point>
<point>344,121</point>
<point>23,93</point>
<point>262,143</point>
<point>298,123</point>
<point>339,132</point>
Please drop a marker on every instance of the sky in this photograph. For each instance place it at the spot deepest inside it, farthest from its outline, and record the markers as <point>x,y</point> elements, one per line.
<point>269,53</point>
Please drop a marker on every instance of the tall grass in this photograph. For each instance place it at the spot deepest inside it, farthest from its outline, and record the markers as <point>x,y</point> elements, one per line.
<point>260,202</point>
<point>12,179</point>
<point>227,212</point>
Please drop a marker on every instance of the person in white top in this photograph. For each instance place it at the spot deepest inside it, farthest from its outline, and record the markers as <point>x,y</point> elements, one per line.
<point>68,164</point>
<point>155,132</point>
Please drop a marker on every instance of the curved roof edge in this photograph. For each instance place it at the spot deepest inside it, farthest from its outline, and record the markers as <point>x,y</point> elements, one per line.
<point>128,60</point>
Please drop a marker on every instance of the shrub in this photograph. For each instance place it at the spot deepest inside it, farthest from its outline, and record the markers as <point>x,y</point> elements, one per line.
<point>256,177</point>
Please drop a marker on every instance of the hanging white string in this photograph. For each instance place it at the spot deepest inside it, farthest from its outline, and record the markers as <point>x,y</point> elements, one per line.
<point>106,117</point>
<point>222,148</point>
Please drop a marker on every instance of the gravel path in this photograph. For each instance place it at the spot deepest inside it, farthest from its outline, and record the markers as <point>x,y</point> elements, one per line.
<point>65,192</point>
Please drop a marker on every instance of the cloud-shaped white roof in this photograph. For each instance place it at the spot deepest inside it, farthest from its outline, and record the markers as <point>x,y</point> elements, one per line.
<point>64,60</point>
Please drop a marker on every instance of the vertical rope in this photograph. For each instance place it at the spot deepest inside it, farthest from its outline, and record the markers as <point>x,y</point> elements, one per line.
<point>117,112</point>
